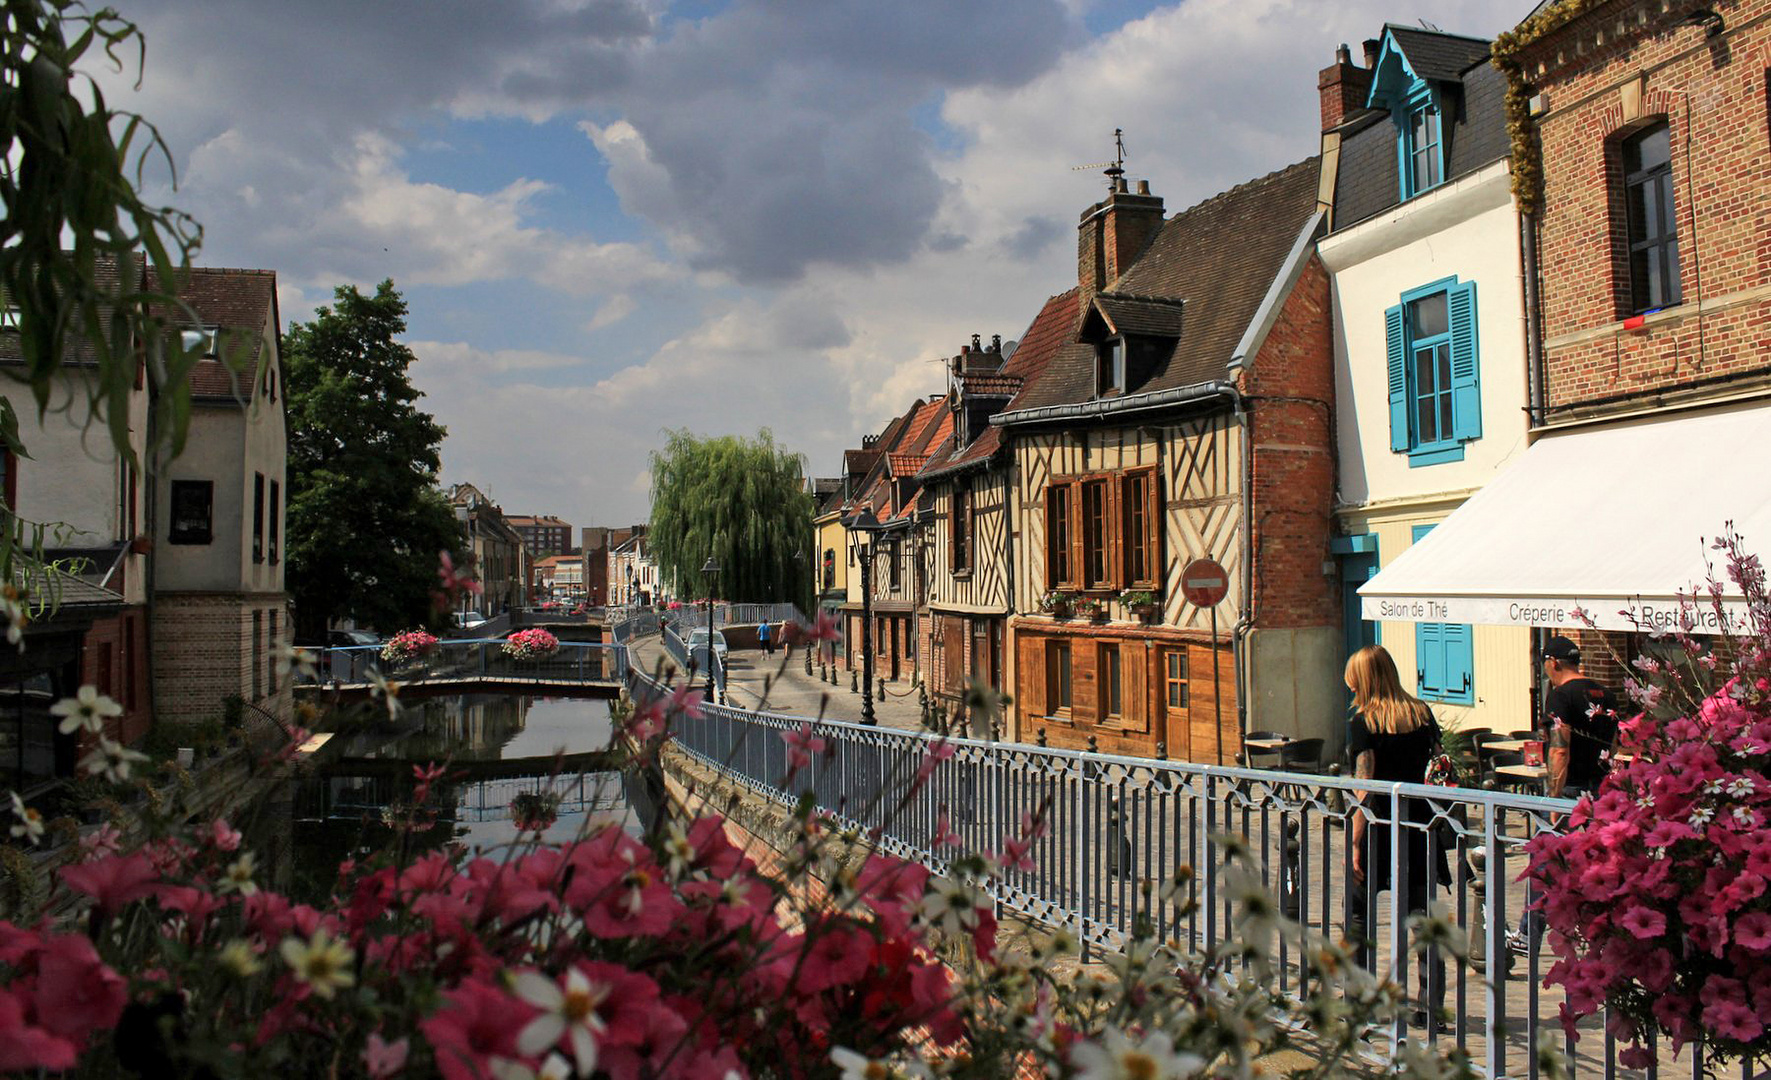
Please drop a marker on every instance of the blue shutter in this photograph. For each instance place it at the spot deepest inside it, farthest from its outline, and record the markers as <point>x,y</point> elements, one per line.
<point>1398,370</point>
<point>1460,662</point>
<point>1429,648</point>
<point>1466,400</point>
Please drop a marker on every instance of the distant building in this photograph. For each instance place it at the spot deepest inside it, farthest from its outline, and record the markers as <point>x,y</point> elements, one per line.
<point>500,557</point>
<point>633,576</point>
<point>561,575</point>
<point>543,536</point>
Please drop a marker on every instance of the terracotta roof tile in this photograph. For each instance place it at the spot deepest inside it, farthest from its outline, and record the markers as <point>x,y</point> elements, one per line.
<point>241,301</point>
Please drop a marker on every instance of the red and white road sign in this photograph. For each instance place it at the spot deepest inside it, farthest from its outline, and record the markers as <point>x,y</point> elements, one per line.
<point>1205,582</point>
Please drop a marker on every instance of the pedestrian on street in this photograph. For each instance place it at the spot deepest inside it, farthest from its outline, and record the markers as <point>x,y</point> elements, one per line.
<point>1391,737</point>
<point>767,642</point>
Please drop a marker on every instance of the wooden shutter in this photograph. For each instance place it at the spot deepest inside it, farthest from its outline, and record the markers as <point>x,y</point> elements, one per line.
<point>1398,375</point>
<point>1429,646</point>
<point>1466,399</point>
<point>1078,571</point>
<point>1460,662</point>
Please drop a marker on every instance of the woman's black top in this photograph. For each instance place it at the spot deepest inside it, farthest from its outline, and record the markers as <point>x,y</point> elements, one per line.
<point>1399,757</point>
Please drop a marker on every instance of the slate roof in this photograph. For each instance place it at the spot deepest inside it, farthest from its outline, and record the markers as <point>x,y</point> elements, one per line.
<point>1366,183</point>
<point>1221,256</point>
<point>76,349</point>
<point>1157,316</point>
<point>237,300</point>
<point>1434,54</point>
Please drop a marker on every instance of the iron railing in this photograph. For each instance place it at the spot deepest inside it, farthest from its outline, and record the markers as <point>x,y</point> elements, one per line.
<point>697,662</point>
<point>1118,828</point>
<point>478,658</point>
<point>625,624</point>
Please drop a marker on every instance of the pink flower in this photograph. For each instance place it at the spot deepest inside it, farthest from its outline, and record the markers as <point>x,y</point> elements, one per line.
<point>941,750</point>
<point>1636,1056</point>
<point>76,993</point>
<point>102,841</point>
<point>834,957</point>
<point>944,835</point>
<point>646,721</point>
<point>223,836</point>
<point>1733,1021</point>
<point>1643,922</point>
<point>1753,931</point>
<point>478,1022</point>
<point>384,1059</point>
<point>455,580</point>
<point>685,701</point>
<point>801,746</point>
<point>112,882</point>
<point>25,1046</point>
<point>823,628</point>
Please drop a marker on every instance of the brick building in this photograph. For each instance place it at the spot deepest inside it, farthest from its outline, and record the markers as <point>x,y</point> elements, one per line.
<point>500,558</point>
<point>1642,178</point>
<point>543,536</point>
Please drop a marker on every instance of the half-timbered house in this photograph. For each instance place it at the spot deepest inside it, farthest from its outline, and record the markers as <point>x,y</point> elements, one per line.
<point>1187,414</point>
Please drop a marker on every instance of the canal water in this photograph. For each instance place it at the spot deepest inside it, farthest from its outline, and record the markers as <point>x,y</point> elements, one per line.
<point>365,778</point>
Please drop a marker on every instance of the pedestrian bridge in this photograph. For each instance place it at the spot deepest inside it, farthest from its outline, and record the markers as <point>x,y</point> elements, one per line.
<point>463,665</point>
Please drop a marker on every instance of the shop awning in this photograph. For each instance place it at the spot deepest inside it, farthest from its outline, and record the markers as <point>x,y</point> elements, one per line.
<point>1614,522</point>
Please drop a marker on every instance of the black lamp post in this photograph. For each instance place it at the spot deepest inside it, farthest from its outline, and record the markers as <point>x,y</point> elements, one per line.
<point>711,572</point>
<point>863,528</point>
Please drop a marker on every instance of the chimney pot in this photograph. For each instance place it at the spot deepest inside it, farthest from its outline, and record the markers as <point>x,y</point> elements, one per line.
<point>977,343</point>
<point>1143,187</point>
<point>996,339</point>
<point>1119,185</point>
<point>1371,46</point>
<point>1343,86</point>
<point>1342,54</point>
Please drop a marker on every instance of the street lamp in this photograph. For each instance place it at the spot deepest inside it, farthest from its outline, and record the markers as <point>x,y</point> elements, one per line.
<point>711,572</point>
<point>863,528</point>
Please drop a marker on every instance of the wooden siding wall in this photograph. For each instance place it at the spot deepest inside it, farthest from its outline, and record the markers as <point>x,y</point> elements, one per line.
<point>1201,476</point>
<point>985,588</point>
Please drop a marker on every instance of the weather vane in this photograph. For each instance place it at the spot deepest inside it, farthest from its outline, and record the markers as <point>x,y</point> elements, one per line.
<point>1113,169</point>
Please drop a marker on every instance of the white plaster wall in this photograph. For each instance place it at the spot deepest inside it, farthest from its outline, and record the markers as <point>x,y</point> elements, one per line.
<point>1466,229</point>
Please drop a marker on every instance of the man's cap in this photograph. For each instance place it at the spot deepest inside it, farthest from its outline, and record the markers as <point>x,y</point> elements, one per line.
<point>1561,649</point>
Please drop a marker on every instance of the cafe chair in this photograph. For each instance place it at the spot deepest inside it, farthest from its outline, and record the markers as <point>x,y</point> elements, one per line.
<point>1256,754</point>
<point>1301,756</point>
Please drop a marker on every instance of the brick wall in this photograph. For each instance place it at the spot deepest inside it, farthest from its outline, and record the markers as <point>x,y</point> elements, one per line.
<point>203,652</point>
<point>1293,498</point>
<point>1604,77</point>
<point>114,658</point>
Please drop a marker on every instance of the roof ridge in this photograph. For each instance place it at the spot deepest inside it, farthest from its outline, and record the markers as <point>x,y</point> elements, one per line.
<point>1245,185</point>
<point>232,270</point>
<point>1440,33</point>
<point>1140,298</point>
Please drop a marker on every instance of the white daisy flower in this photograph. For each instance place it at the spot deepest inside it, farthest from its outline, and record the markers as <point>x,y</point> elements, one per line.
<point>87,709</point>
<point>110,761</point>
<point>1117,1057</point>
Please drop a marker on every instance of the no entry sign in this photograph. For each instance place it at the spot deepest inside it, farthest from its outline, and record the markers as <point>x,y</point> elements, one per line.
<point>1205,583</point>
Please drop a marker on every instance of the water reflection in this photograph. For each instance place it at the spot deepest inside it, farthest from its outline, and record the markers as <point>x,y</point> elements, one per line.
<point>370,770</point>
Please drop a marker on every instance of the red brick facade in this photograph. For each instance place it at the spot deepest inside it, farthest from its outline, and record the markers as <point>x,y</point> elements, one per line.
<point>1604,77</point>
<point>208,646</point>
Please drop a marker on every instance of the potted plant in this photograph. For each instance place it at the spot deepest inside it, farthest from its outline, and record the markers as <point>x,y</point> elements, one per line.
<point>532,644</point>
<point>1058,604</point>
<point>1142,603</point>
<point>407,646</point>
<point>1091,608</point>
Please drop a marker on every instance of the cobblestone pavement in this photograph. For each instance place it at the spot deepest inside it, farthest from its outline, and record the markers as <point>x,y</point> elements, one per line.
<point>751,675</point>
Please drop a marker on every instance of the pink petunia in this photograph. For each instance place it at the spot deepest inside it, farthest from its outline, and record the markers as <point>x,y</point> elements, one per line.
<point>114,882</point>
<point>76,993</point>
<point>477,1022</point>
<point>1733,1021</point>
<point>1643,922</point>
<point>384,1059</point>
<point>802,746</point>
<point>1753,931</point>
<point>833,957</point>
<point>223,836</point>
<point>25,1046</point>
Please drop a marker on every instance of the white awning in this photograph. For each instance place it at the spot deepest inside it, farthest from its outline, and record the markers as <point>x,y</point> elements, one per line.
<point>1614,522</point>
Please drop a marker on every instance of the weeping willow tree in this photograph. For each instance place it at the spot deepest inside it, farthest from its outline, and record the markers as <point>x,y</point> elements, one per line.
<point>741,501</point>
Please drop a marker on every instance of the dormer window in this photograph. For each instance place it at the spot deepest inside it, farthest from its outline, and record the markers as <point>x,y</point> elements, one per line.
<point>200,340</point>
<point>9,318</point>
<point>1422,149</point>
<point>1110,367</point>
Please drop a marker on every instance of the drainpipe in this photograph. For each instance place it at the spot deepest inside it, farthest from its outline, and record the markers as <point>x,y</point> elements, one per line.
<point>1534,385</point>
<point>1245,619</point>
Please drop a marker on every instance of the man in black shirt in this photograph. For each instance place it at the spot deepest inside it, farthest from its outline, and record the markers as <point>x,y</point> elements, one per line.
<point>1580,716</point>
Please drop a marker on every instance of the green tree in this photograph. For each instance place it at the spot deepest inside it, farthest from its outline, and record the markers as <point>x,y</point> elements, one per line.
<point>742,502</point>
<point>366,521</point>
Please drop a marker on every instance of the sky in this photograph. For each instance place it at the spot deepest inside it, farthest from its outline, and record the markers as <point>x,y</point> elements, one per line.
<point>611,218</point>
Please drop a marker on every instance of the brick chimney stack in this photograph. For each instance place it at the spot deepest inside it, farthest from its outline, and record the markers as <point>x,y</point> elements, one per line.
<point>1344,86</point>
<point>1113,233</point>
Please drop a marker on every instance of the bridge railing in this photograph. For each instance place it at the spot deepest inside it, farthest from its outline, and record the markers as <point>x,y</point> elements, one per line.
<point>625,624</point>
<point>574,661</point>
<point>1118,828</point>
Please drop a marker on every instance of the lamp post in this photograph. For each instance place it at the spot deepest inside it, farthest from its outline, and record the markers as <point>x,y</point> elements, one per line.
<point>629,585</point>
<point>711,572</point>
<point>863,528</point>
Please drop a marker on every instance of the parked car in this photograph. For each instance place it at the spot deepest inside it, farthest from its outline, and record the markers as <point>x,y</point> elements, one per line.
<point>345,639</point>
<point>467,620</point>
<point>697,643</point>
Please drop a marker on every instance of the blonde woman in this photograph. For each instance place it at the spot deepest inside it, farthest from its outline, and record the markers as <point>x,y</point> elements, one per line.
<point>1390,737</point>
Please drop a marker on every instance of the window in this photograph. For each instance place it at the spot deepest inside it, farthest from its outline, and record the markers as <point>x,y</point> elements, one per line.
<point>1057,677</point>
<point>829,568</point>
<point>271,644</point>
<point>1433,372</point>
<point>1058,567</point>
<point>9,318</point>
<point>1422,144</point>
<point>960,527</point>
<point>1649,214</point>
<point>257,517</point>
<point>193,506</point>
<point>1112,683</point>
<point>1445,658</point>
<point>1110,367</point>
<point>1138,538</point>
<point>276,515</point>
<point>199,339</point>
<point>1095,535</point>
<point>1174,678</point>
<point>895,562</point>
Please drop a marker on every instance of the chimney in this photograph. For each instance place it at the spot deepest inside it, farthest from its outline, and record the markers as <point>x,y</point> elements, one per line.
<point>1113,233</point>
<point>1344,86</point>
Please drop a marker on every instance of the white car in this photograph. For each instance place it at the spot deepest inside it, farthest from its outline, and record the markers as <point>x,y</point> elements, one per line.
<point>467,620</point>
<point>697,643</point>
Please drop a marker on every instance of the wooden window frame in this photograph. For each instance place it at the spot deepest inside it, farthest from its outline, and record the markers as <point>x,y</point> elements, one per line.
<point>959,529</point>
<point>1063,547</point>
<point>1060,679</point>
<point>1110,684</point>
<point>1646,239</point>
<point>1108,540</point>
<point>1151,532</point>
<point>1170,682</point>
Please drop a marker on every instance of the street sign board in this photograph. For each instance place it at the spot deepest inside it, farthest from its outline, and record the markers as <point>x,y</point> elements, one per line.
<point>1205,583</point>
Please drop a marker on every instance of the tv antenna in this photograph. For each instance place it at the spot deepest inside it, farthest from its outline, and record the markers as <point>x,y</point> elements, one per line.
<point>1113,169</point>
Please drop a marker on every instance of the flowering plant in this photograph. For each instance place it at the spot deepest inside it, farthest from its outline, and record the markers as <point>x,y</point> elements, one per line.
<point>533,644</point>
<point>1057,602</point>
<point>408,645</point>
<point>1137,597</point>
<point>1657,895</point>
